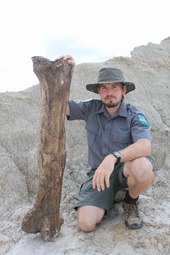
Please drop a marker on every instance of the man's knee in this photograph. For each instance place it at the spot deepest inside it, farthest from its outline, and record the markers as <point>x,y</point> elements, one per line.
<point>141,170</point>
<point>86,226</point>
<point>88,217</point>
<point>85,223</point>
<point>144,175</point>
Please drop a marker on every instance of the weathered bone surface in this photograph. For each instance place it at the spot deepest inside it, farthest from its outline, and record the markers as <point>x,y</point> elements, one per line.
<point>55,79</point>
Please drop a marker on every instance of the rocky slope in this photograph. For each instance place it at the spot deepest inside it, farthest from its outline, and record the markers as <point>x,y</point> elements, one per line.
<point>149,69</point>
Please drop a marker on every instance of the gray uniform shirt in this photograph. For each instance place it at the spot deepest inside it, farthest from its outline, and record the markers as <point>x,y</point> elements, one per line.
<point>106,134</point>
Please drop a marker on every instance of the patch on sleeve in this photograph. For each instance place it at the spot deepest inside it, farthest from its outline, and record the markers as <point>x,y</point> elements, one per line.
<point>142,120</point>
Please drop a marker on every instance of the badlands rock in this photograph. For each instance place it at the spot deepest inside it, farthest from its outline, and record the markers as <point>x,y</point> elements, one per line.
<point>149,69</point>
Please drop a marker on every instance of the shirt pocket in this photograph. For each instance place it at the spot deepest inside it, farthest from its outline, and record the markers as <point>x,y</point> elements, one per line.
<point>121,140</point>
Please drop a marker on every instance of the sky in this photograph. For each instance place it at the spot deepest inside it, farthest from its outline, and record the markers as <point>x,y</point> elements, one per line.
<point>89,30</point>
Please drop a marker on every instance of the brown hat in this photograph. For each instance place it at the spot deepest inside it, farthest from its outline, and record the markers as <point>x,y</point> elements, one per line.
<point>110,75</point>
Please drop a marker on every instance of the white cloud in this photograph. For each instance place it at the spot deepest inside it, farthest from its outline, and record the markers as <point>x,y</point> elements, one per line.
<point>90,30</point>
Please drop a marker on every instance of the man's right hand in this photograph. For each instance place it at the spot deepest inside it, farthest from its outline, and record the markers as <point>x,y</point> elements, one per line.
<point>103,172</point>
<point>68,58</point>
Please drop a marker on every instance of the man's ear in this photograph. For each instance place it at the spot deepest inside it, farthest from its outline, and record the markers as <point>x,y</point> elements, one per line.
<point>124,89</point>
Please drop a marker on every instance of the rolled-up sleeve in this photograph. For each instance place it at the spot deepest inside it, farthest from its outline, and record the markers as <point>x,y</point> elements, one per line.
<point>78,110</point>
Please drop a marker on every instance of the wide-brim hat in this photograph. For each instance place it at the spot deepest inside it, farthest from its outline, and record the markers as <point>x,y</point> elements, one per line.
<point>110,75</point>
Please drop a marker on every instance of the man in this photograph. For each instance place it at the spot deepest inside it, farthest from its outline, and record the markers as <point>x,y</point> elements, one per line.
<point>119,150</point>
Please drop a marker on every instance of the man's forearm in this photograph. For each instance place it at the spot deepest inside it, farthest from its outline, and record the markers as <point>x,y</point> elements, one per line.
<point>141,148</point>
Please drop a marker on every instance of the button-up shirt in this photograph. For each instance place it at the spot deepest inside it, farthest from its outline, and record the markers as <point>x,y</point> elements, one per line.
<point>106,134</point>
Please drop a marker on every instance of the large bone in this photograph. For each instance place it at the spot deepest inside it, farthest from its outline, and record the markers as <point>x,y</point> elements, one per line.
<point>55,79</point>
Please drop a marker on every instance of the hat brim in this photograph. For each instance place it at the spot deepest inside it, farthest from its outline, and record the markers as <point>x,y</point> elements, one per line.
<point>93,86</point>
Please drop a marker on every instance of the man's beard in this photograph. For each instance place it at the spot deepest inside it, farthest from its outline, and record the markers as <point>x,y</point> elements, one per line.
<point>112,104</point>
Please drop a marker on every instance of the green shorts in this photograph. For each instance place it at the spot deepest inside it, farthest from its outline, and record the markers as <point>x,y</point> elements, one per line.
<point>105,198</point>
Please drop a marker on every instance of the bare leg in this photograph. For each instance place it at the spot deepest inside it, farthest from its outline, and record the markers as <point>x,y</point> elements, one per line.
<point>139,175</point>
<point>88,217</point>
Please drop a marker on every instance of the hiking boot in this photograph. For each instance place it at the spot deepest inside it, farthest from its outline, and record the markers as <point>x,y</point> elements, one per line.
<point>120,195</point>
<point>132,217</point>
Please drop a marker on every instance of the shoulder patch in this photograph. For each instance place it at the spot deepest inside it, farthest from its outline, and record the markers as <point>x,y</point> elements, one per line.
<point>142,119</point>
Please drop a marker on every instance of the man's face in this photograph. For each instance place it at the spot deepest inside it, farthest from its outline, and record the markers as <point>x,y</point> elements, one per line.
<point>111,93</point>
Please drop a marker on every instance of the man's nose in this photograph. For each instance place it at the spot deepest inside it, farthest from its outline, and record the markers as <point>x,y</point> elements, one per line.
<point>109,90</point>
